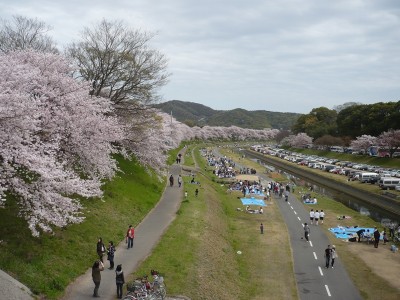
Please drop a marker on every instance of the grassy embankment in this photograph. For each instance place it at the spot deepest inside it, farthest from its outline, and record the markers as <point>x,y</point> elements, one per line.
<point>374,271</point>
<point>49,263</point>
<point>198,253</point>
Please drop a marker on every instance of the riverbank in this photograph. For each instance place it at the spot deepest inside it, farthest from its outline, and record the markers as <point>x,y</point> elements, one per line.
<point>341,186</point>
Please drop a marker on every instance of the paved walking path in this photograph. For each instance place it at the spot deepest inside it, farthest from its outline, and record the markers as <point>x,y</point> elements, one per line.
<point>12,289</point>
<point>147,235</point>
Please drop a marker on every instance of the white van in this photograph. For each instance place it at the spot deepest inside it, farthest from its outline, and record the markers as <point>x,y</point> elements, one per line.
<point>366,177</point>
<point>387,183</point>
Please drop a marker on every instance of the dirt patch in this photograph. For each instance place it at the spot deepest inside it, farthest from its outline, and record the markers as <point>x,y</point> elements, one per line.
<point>381,260</point>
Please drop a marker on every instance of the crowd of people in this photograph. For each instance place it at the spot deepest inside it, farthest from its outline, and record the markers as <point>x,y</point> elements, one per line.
<point>250,171</point>
<point>223,167</point>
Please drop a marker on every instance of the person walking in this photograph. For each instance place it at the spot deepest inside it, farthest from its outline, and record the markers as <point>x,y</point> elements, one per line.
<point>322,216</point>
<point>130,235</point>
<point>100,248</point>
<point>171,180</point>
<point>316,217</point>
<point>196,192</point>
<point>328,255</point>
<point>312,216</point>
<point>179,180</point>
<point>377,236</point>
<point>391,230</point>
<point>306,231</point>
<point>119,280</point>
<point>96,276</point>
<point>384,237</point>
<point>110,254</point>
<point>334,255</point>
<point>186,194</point>
<point>261,228</point>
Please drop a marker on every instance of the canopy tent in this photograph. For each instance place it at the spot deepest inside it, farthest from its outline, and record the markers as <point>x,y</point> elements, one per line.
<point>253,201</point>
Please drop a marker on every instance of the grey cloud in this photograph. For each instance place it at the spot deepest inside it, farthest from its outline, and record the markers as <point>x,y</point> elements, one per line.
<point>290,55</point>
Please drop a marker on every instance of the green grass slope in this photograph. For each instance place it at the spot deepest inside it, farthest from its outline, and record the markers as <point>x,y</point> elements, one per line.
<point>49,263</point>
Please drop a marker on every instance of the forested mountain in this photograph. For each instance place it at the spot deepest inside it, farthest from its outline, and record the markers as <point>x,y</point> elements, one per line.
<point>194,114</point>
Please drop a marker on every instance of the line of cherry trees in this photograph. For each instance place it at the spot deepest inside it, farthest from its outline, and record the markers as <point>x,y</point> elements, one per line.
<point>388,141</point>
<point>65,115</point>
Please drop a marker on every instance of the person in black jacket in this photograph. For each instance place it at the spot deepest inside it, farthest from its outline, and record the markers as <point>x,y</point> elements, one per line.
<point>96,276</point>
<point>377,236</point>
<point>101,249</point>
<point>359,234</point>
<point>328,255</point>
<point>120,280</point>
<point>110,254</point>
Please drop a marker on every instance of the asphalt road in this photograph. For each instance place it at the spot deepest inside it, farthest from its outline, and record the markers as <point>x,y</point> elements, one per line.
<point>314,281</point>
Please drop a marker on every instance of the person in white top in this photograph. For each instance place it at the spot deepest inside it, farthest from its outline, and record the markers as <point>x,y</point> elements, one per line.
<point>321,216</point>
<point>312,216</point>
<point>316,217</point>
<point>334,255</point>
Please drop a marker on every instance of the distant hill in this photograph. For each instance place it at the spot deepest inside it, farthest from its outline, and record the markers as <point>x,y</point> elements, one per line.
<point>194,114</point>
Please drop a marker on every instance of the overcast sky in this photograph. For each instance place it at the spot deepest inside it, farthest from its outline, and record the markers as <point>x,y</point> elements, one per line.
<point>286,55</point>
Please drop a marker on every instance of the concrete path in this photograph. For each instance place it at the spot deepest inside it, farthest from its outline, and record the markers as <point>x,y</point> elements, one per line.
<point>147,235</point>
<point>12,289</point>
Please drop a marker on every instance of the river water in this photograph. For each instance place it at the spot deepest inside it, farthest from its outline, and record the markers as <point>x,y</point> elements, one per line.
<point>376,213</point>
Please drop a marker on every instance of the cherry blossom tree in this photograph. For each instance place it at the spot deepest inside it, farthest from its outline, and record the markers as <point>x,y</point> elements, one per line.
<point>391,140</point>
<point>56,140</point>
<point>363,142</point>
<point>299,140</point>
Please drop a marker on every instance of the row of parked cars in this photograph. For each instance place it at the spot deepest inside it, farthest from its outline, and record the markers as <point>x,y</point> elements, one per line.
<point>386,178</point>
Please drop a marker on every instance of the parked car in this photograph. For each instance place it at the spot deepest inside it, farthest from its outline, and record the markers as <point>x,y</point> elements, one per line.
<point>368,176</point>
<point>389,183</point>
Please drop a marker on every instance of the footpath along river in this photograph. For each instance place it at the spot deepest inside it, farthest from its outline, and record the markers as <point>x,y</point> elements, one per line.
<point>379,208</point>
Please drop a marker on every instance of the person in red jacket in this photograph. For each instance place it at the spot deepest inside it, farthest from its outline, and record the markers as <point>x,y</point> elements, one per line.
<point>130,235</point>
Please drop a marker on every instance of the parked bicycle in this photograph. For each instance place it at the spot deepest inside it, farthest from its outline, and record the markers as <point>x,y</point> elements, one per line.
<point>143,289</point>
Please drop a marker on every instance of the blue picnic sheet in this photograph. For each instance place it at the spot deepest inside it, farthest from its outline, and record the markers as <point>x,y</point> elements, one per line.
<point>342,232</point>
<point>253,201</point>
<point>311,203</point>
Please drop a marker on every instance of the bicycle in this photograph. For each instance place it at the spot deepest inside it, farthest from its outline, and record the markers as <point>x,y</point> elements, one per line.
<point>142,289</point>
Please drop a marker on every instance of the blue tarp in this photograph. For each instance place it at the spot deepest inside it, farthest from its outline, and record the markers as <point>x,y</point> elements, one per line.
<point>346,232</point>
<point>253,201</point>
